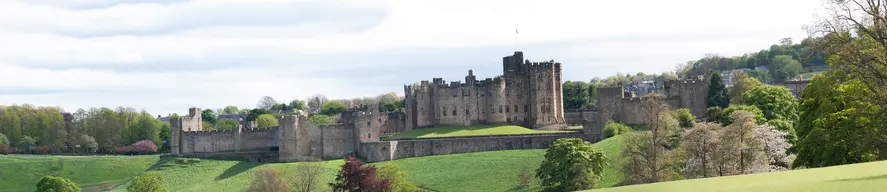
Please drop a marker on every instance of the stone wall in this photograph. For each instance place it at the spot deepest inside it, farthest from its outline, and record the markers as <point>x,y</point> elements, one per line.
<point>526,94</point>
<point>226,141</point>
<point>338,141</point>
<point>398,149</point>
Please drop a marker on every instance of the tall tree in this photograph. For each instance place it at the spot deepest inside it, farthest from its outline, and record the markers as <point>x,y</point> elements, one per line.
<point>784,68</point>
<point>717,92</point>
<point>230,110</point>
<point>776,102</point>
<point>742,83</point>
<point>297,104</point>
<point>315,102</point>
<point>571,165</point>
<point>647,153</point>
<point>575,94</point>
<point>208,116</point>
<point>266,102</point>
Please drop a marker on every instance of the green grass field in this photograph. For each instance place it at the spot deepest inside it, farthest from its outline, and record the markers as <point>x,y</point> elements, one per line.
<point>22,172</point>
<point>474,130</point>
<point>856,177</point>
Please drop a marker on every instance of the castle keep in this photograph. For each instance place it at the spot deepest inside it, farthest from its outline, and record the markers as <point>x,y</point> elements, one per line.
<point>526,94</point>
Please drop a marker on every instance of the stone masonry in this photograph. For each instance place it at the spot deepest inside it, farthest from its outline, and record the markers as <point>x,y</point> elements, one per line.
<point>527,94</point>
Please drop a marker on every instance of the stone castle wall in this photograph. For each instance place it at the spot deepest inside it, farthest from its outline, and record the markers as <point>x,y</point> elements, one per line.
<point>527,94</point>
<point>398,149</point>
<point>226,141</point>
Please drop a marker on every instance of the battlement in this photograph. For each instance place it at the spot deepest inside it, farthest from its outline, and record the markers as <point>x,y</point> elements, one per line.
<point>204,132</point>
<point>261,129</point>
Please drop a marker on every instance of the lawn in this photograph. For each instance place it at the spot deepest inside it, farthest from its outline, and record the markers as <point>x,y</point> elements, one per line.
<point>473,130</point>
<point>22,172</point>
<point>856,177</point>
<point>482,171</point>
<point>494,170</point>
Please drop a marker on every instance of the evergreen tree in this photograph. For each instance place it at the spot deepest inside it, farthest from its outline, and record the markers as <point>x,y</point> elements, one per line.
<point>717,92</point>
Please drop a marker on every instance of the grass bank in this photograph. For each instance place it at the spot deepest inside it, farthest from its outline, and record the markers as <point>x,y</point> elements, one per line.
<point>22,172</point>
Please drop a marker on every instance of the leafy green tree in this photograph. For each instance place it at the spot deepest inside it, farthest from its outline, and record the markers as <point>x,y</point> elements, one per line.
<point>592,92</point>
<point>227,124</point>
<point>207,115</point>
<point>26,143</point>
<point>255,113</point>
<point>56,184</point>
<point>685,118</point>
<point>86,142</point>
<point>3,139</point>
<point>784,126</point>
<point>722,116</point>
<point>717,92</point>
<point>575,94</point>
<point>297,104</point>
<point>230,110</point>
<point>742,84</point>
<point>784,68</point>
<point>266,120</point>
<point>571,164</point>
<point>164,136</point>
<point>398,178</point>
<point>612,129</point>
<point>333,108</point>
<point>319,119</point>
<point>150,181</point>
<point>775,102</point>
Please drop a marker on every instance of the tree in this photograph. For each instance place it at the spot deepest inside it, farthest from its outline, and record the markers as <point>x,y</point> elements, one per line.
<point>56,184</point>
<point>297,104</point>
<point>333,108</point>
<point>776,148</point>
<point>227,124</point>
<point>685,118</point>
<point>717,92</point>
<point>775,102</point>
<point>150,181</point>
<point>267,180</point>
<point>571,164</point>
<point>307,177</point>
<point>207,115</point>
<point>742,84</point>
<point>3,139</point>
<point>354,177</point>
<point>647,153</point>
<point>315,102</point>
<point>739,144</point>
<point>266,102</point>
<point>612,129</point>
<point>230,110</point>
<point>266,120</point>
<point>26,143</point>
<point>575,94</point>
<point>722,116</point>
<point>87,142</point>
<point>700,144</point>
<point>255,113</point>
<point>144,146</point>
<point>398,178</point>
<point>319,119</point>
<point>784,68</point>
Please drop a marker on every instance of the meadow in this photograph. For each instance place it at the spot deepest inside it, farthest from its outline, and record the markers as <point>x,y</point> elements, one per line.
<point>22,172</point>
<point>473,130</point>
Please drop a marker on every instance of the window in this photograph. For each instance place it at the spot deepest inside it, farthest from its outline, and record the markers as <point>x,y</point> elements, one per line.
<point>444,111</point>
<point>454,111</point>
<point>368,123</point>
<point>466,112</point>
<point>500,108</point>
<point>515,109</point>
<point>526,108</point>
<point>507,109</point>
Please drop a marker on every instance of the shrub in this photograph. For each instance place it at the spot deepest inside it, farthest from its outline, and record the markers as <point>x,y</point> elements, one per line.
<point>612,129</point>
<point>266,120</point>
<point>685,118</point>
<point>43,149</point>
<point>124,150</point>
<point>267,180</point>
<point>319,119</point>
<point>56,184</point>
<point>571,164</point>
<point>144,146</point>
<point>307,176</point>
<point>26,143</point>
<point>354,177</point>
<point>150,181</point>
<point>5,149</point>
<point>3,139</point>
<point>398,178</point>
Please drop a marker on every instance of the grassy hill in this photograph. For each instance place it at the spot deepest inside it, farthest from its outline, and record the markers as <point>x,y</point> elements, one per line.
<point>22,172</point>
<point>483,171</point>
<point>474,130</point>
<point>856,177</point>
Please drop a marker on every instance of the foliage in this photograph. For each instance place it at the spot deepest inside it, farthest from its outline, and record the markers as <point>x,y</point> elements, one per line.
<point>717,92</point>
<point>700,144</point>
<point>319,119</point>
<point>56,184</point>
<point>230,110</point>
<point>740,148</point>
<point>207,115</point>
<point>26,143</point>
<point>571,164</point>
<point>144,146</point>
<point>307,177</point>
<point>267,180</point>
<point>775,102</point>
<point>333,108</point>
<point>86,141</point>
<point>297,104</point>
<point>354,177</point>
<point>784,67</point>
<point>722,116</point>
<point>6,149</point>
<point>266,120</point>
<point>575,94</point>
<point>776,146</point>
<point>784,126</point>
<point>398,178</point>
<point>612,129</point>
<point>255,113</point>
<point>227,124</point>
<point>685,118</point>
<point>3,139</point>
<point>742,83</point>
<point>647,156</point>
<point>739,153</point>
<point>150,181</point>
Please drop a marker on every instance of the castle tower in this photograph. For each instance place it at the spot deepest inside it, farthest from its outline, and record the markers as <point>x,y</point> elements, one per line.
<point>175,129</point>
<point>288,148</point>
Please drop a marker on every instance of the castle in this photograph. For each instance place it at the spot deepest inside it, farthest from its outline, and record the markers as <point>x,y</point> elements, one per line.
<point>527,94</point>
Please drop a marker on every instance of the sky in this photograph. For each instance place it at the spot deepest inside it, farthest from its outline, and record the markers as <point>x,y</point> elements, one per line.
<point>164,56</point>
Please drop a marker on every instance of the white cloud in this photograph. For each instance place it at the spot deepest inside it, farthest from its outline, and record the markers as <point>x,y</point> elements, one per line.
<point>165,56</point>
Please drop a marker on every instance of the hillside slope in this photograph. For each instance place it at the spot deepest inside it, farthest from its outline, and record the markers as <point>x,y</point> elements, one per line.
<point>22,172</point>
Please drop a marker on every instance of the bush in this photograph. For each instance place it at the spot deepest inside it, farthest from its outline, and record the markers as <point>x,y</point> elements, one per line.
<point>398,178</point>
<point>307,176</point>
<point>266,120</point>
<point>144,146</point>
<point>571,164</point>
<point>124,150</point>
<point>5,149</point>
<point>56,184</point>
<point>612,129</point>
<point>43,149</point>
<point>319,119</point>
<point>3,139</point>
<point>685,118</point>
<point>150,181</point>
<point>354,177</point>
<point>722,116</point>
<point>267,180</point>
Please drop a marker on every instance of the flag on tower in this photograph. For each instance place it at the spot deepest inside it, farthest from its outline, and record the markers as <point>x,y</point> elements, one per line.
<point>515,31</point>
